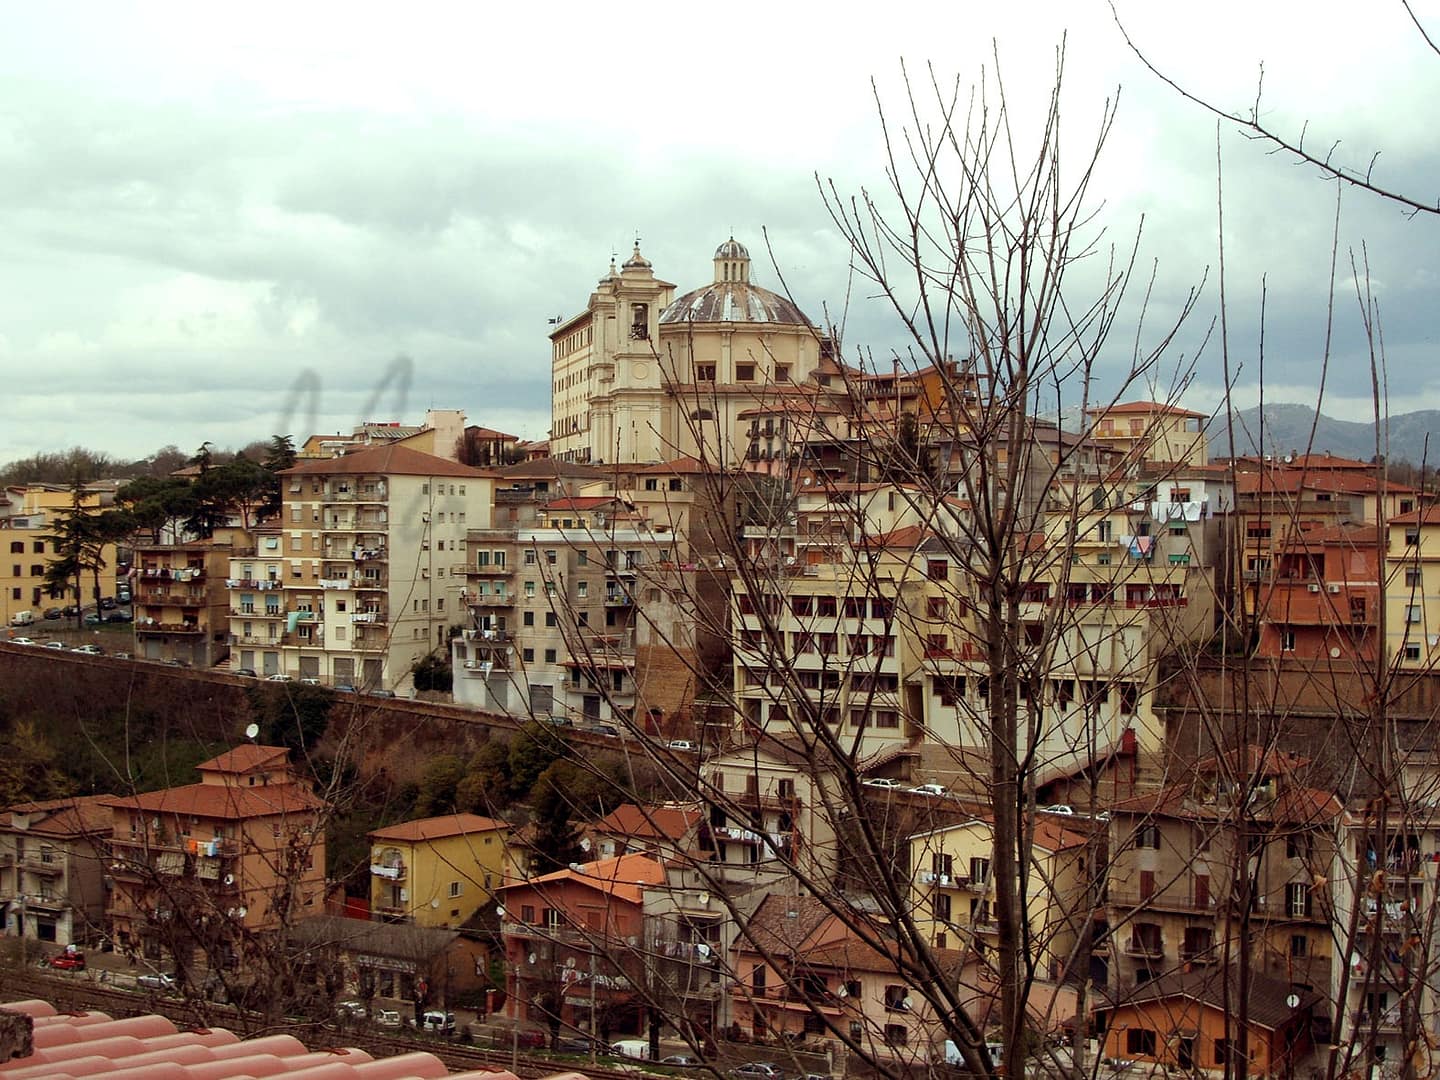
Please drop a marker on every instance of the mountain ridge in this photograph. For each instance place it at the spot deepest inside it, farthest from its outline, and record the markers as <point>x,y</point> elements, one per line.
<point>1282,429</point>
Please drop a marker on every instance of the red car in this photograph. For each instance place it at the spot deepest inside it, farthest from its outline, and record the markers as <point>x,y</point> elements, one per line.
<point>69,961</point>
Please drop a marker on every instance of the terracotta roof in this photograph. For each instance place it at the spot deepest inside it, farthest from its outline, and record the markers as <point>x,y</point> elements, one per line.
<point>389,461</point>
<point>624,877</point>
<point>79,815</point>
<point>1208,986</point>
<point>1427,515</point>
<point>685,465</point>
<point>490,433</point>
<point>549,469</point>
<point>649,822</point>
<point>93,1044</point>
<point>438,828</point>
<point>1147,408</point>
<point>229,801</point>
<point>246,758</point>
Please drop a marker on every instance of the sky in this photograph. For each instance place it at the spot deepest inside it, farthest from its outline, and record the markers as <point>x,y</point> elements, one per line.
<point>218,223</point>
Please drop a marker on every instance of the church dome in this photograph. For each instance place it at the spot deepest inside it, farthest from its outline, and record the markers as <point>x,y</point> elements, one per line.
<point>731,297</point>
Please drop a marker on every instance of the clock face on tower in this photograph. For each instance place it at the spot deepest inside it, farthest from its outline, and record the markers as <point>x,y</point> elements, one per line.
<point>639,371</point>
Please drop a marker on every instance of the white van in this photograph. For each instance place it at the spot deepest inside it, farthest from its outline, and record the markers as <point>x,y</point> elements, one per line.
<point>22,618</point>
<point>639,1049</point>
<point>996,1051</point>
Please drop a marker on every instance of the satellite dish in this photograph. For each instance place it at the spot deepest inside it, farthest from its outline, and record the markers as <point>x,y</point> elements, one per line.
<point>435,903</point>
<point>242,911</point>
<point>531,958</point>
<point>1334,655</point>
<point>584,843</point>
<point>251,730</point>
<point>908,1004</point>
<point>500,910</point>
<point>1293,1001</point>
<point>702,950</point>
<point>569,961</point>
<point>843,992</point>
<point>229,879</point>
<point>704,899</point>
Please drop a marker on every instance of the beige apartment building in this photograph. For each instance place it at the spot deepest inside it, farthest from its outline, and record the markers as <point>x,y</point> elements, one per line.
<point>641,376</point>
<point>370,554</point>
<point>52,886</point>
<point>1412,589</point>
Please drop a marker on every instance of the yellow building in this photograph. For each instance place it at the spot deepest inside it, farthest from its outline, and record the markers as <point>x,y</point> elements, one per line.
<point>641,376</point>
<point>1151,431</point>
<point>952,888</point>
<point>1412,589</point>
<point>438,871</point>
<point>28,513</point>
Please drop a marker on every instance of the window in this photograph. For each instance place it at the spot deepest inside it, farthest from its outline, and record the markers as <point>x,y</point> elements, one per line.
<point>530,589</point>
<point>937,569</point>
<point>1299,945</point>
<point>17,547</point>
<point>979,871</point>
<point>550,656</point>
<point>582,589</point>
<point>1297,900</point>
<point>1412,651</point>
<point>1141,1041</point>
<point>550,619</point>
<point>897,997</point>
<point>704,372</point>
<point>1148,836</point>
<point>527,914</point>
<point>1147,884</point>
<point>455,889</point>
<point>1412,536</point>
<point>529,556</point>
<point>896,1035</point>
<point>941,906</point>
<point>1129,698</point>
<point>528,655</point>
<point>1287,640</point>
<point>1297,846</point>
<point>744,372</point>
<point>1413,578</point>
<point>527,618</point>
<point>1414,613</point>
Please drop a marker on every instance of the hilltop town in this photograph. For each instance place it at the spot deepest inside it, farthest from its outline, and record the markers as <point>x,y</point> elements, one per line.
<point>917,715</point>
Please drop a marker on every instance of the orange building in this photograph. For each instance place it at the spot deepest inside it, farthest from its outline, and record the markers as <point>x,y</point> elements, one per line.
<point>1179,1020</point>
<point>206,865</point>
<point>1322,598</point>
<point>574,944</point>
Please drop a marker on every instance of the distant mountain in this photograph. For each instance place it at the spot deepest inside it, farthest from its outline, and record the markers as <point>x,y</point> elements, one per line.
<point>1286,429</point>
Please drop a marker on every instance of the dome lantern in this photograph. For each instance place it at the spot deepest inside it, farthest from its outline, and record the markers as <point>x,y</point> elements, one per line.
<point>732,262</point>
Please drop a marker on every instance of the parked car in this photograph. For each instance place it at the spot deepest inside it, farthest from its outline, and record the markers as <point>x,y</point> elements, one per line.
<point>681,744</point>
<point>349,1010</point>
<point>757,1070</point>
<point>248,672</point>
<point>156,980</point>
<point>340,688</point>
<point>309,681</point>
<point>176,662</point>
<point>438,1023</point>
<point>1058,808</point>
<point>53,613</point>
<point>89,649</point>
<point>608,730</point>
<point>22,641</point>
<point>119,617</point>
<point>680,1059</point>
<point>387,1018</point>
<point>54,645</point>
<point>94,618</point>
<point>558,720</point>
<point>68,961</point>
<point>530,1040</point>
<point>382,693</point>
<point>886,782</point>
<point>107,603</point>
<point>938,790</point>
<point>22,618</point>
<point>121,655</point>
<point>639,1049</point>
<point>70,609</point>
<point>278,677</point>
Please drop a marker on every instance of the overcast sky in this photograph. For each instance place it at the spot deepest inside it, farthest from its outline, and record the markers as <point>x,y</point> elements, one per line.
<point>217,223</point>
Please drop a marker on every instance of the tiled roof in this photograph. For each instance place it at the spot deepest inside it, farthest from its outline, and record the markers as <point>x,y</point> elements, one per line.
<point>439,828</point>
<point>93,1044</point>
<point>388,461</point>
<point>1144,408</point>
<point>245,758</point>
<point>490,433</point>
<point>1208,986</point>
<point>624,878</point>
<point>581,502</point>
<point>230,801</point>
<point>648,822</point>
<point>80,815</point>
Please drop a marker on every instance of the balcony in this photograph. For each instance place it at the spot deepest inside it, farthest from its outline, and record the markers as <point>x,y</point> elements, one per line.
<point>251,639</point>
<point>340,582</point>
<point>1145,950</point>
<point>378,617</point>
<point>619,600</point>
<point>43,867</point>
<point>167,628</point>
<point>489,600</point>
<point>257,613</point>
<point>949,881</point>
<point>335,496</point>
<point>147,574</point>
<point>560,933</point>
<point>1161,900</point>
<point>392,871</point>
<point>169,599</point>
<point>488,637</point>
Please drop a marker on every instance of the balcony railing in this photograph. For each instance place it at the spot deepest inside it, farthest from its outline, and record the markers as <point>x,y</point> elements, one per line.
<point>251,639</point>
<point>489,637</point>
<point>1151,950</point>
<point>167,628</point>
<point>36,865</point>
<point>390,871</point>
<point>369,617</point>
<point>489,600</point>
<point>257,613</point>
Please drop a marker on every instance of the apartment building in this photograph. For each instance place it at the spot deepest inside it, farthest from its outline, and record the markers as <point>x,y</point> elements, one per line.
<point>52,875</point>
<point>255,584</point>
<point>1321,597</point>
<point>952,888</point>
<point>554,629</point>
<point>574,944</point>
<point>438,871</point>
<point>28,513</point>
<point>1412,589</point>
<point>373,545</point>
<point>181,597</point>
<point>1171,887</point>
<point>207,865</point>
<point>1151,432</point>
